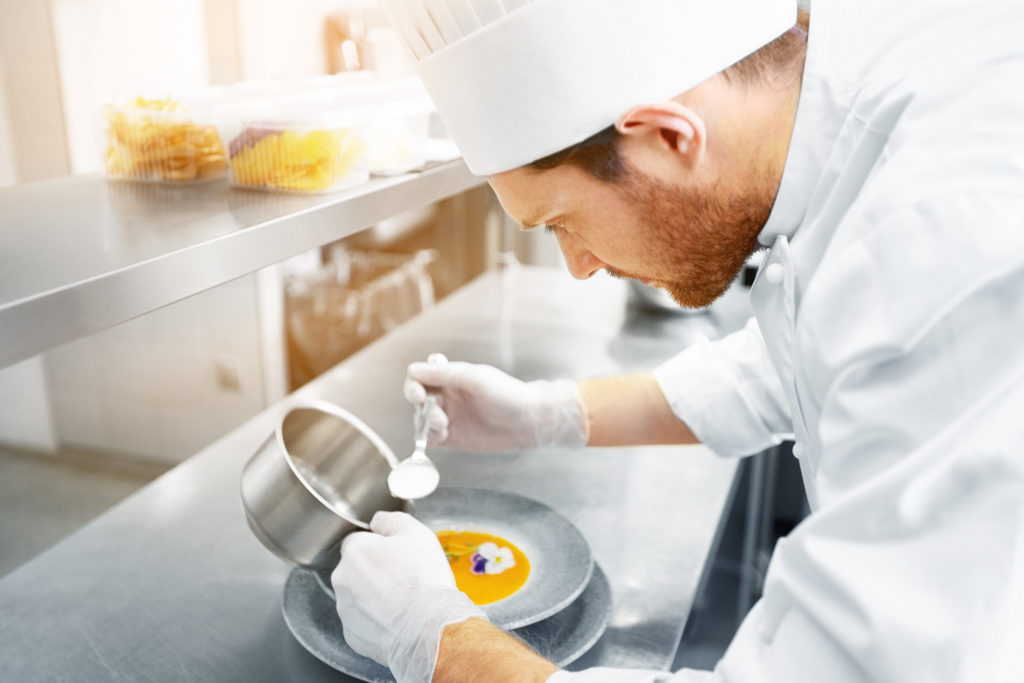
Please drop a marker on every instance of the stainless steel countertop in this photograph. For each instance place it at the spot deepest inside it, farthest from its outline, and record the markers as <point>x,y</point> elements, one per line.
<point>81,254</point>
<point>171,585</point>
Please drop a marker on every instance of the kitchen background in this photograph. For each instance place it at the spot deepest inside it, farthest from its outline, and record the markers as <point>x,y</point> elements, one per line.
<point>94,419</point>
<point>84,425</point>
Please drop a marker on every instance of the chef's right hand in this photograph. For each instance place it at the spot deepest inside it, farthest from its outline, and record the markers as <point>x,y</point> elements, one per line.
<point>482,409</point>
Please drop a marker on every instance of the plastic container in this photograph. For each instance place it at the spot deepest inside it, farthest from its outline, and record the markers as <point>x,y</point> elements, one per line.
<point>396,133</point>
<point>360,296</point>
<point>305,146</point>
<point>161,140</point>
<point>396,139</point>
<point>311,135</point>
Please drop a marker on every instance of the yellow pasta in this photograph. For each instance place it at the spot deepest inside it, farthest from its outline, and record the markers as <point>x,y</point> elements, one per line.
<point>154,140</point>
<point>305,161</point>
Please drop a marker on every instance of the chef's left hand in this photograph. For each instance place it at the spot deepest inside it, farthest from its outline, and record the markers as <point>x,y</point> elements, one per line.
<point>396,593</point>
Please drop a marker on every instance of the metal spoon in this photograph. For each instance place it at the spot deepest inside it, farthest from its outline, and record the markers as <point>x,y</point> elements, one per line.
<point>416,476</point>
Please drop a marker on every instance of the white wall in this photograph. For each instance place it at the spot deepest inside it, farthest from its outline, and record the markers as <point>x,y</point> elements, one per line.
<point>8,175</point>
<point>36,117</point>
<point>222,41</point>
<point>166,384</point>
<point>286,39</point>
<point>25,416</point>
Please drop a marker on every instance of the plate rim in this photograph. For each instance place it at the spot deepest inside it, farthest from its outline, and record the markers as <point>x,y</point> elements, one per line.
<point>303,573</point>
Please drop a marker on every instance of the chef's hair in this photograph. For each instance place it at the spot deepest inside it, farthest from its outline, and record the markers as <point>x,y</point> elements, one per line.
<point>776,62</point>
<point>598,155</point>
<point>770,66</point>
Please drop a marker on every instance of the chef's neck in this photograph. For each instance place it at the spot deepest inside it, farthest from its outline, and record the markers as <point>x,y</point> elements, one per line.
<point>750,119</point>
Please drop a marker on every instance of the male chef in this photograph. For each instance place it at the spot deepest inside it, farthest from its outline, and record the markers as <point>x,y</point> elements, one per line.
<point>876,151</point>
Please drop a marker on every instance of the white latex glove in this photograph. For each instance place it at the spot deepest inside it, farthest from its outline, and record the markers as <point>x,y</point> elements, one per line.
<point>396,593</point>
<point>482,409</point>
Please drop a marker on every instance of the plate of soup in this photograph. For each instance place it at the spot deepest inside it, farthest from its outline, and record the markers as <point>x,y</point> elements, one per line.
<point>312,617</point>
<point>517,558</point>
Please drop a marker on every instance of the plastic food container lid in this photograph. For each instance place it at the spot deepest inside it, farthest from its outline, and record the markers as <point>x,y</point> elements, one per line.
<point>396,134</point>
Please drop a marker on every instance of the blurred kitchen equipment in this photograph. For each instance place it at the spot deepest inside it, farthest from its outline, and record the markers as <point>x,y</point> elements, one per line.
<point>360,38</point>
<point>335,310</point>
<point>416,476</point>
<point>658,300</point>
<point>320,476</point>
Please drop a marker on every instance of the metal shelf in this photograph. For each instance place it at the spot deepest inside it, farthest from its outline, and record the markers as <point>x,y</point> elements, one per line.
<point>81,254</point>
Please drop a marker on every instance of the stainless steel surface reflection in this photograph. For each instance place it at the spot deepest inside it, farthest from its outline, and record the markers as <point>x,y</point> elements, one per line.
<point>320,476</point>
<point>81,254</point>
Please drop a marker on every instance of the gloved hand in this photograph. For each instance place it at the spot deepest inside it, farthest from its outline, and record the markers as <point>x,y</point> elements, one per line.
<point>482,409</point>
<point>396,593</point>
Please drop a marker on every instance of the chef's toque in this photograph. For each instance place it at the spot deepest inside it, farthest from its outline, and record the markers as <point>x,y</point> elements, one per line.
<point>517,80</point>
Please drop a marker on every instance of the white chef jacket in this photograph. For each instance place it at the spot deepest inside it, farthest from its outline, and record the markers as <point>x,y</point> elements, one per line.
<point>888,340</point>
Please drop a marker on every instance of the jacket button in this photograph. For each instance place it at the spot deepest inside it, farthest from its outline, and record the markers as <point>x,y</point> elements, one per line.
<point>774,272</point>
<point>799,450</point>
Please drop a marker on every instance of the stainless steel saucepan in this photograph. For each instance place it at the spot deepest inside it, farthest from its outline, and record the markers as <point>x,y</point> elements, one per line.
<point>320,476</point>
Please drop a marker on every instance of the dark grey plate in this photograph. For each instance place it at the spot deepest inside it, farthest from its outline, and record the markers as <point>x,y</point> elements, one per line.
<point>563,638</point>
<point>560,560</point>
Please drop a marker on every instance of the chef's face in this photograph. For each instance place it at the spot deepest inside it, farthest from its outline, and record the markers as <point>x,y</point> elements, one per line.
<point>687,233</point>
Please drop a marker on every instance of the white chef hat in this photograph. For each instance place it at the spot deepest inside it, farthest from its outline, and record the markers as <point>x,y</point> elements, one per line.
<point>517,80</point>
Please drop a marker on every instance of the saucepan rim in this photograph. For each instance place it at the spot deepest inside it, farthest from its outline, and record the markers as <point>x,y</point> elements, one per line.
<point>329,408</point>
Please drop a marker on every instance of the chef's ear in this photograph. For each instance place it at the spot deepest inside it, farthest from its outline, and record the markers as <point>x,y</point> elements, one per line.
<point>679,128</point>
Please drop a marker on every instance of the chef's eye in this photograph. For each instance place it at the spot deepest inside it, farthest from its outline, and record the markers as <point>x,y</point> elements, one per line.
<point>551,227</point>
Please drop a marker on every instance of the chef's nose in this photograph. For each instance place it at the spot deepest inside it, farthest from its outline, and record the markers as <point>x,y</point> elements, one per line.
<point>581,261</point>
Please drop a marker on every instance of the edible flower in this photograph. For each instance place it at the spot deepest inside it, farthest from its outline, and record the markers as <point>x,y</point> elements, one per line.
<point>490,559</point>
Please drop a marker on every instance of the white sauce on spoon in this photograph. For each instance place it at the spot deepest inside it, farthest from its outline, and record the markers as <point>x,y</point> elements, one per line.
<point>411,481</point>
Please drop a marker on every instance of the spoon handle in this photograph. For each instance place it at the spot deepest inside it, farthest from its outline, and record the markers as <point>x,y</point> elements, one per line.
<point>422,424</point>
<point>423,420</point>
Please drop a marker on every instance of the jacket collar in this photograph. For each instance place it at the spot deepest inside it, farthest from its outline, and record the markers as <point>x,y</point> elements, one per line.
<point>819,118</point>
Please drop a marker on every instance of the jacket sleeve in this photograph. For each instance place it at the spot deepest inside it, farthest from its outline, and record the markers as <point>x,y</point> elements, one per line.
<point>728,393</point>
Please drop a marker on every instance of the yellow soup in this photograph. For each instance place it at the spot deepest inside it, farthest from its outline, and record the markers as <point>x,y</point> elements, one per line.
<point>487,568</point>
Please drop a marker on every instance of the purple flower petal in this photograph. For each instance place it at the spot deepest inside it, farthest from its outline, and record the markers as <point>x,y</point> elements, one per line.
<point>479,563</point>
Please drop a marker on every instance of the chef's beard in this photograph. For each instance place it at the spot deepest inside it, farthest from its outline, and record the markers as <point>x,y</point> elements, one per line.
<point>698,239</point>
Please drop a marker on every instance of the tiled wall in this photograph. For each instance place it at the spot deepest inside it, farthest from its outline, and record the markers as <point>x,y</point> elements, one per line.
<point>164,385</point>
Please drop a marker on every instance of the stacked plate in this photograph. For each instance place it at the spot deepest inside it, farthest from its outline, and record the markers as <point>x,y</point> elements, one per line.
<point>561,610</point>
